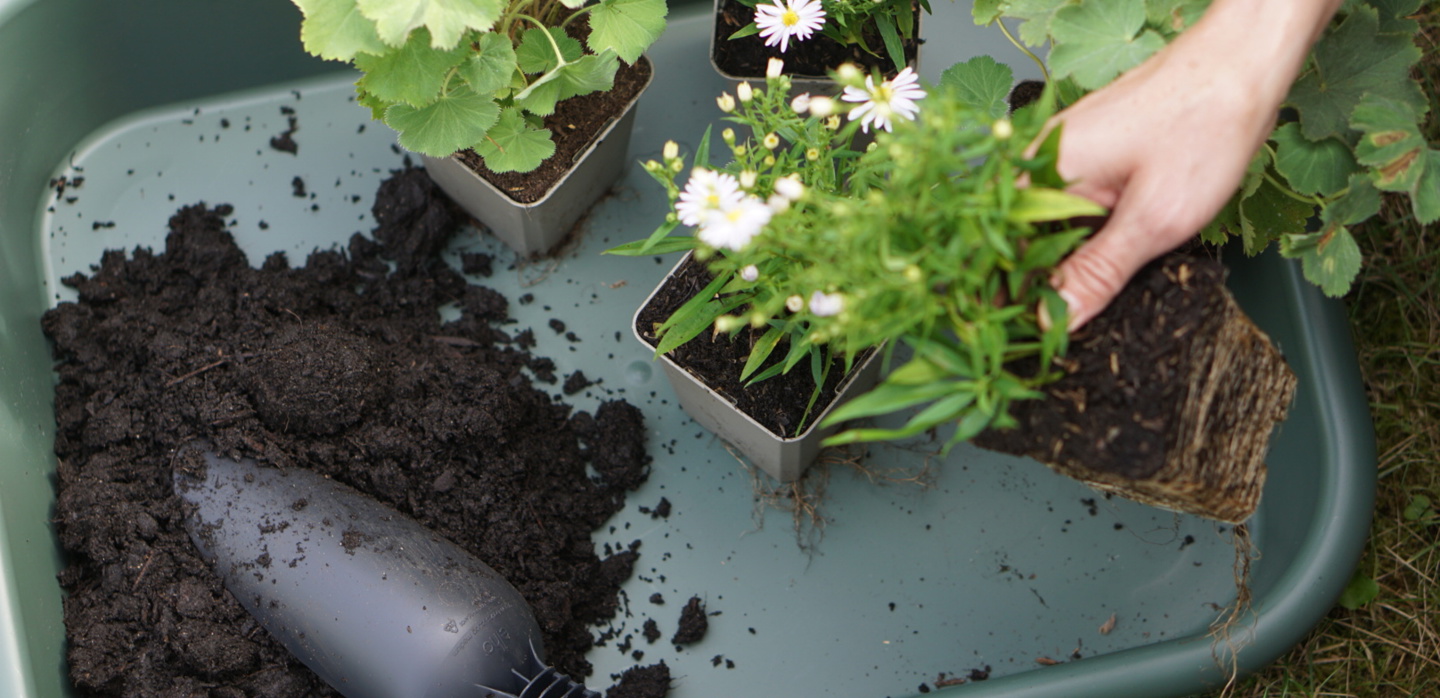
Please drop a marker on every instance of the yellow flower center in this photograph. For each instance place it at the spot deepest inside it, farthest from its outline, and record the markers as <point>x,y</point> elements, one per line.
<point>790,18</point>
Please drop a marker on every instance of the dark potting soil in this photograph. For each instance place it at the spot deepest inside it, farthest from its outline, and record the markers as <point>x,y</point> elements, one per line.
<point>1124,374</point>
<point>576,123</point>
<point>642,682</point>
<point>341,366</point>
<point>693,624</point>
<point>779,402</point>
<point>747,57</point>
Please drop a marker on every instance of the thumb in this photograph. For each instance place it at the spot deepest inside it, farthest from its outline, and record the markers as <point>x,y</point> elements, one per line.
<point>1094,274</point>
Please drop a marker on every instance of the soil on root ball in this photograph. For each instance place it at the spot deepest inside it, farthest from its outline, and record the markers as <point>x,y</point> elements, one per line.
<point>341,366</point>
<point>747,57</point>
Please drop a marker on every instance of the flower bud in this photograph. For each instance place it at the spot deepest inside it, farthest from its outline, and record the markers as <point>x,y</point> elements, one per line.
<point>725,102</point>
<point>652,166</point>
<point>774,68</point>
<point>790,187</point>
<point>826,304</point>
<point>728,323</point>
<point>812,154</point>
<point>671,150</point>
<point>1003,129</point>
<point>849,73</point>
<point>769,161</point>
<point>800,104</point>
<point>832,123</point>
<point>744,93</point>
<point>794,304</point>
<point>777,203</point>
<point>728,135</point>
<point>747,179</point>
<point>750,272</point>
<point>771,141</point>
<point>913,274</point>
<point>677,165</point>
<point>739,151</point>
<point>821,107</point>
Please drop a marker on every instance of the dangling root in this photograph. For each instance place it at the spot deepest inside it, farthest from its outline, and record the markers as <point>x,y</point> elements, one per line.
<point>1224,648</point>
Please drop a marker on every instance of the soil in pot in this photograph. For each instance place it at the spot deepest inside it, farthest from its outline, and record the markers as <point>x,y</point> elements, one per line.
<point>1169,397</point>
<point>576,123</point>
<point>747,57</point>
<point>778,402</point>
<point>343,366</point>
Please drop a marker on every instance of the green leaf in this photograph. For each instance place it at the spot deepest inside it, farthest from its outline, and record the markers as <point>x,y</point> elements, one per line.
<point>335,30</point>
<point>656,245</point>
<point>1357,205</point>
<point>981,82</point>
<point>376,105</point>
<point>1174,16</point>
<point>628,26</point>
<point>986,11</point>
<point>1036,204</point>
<point>1390,142</point>
<point>1037,16</point>
<point>1395,16</point>
<point>513,145</point>
<point>489,69</point>
<point>1097,40</point>
<point>1360,591</point>
<point>760,351</point>
<point>890,36</point>
<point>1045,251</point>
<point>1425,200</point>
<point>414,74</point>
<point>1418,507</point>
<point>1350,61</point>
<point>889,398</point>
<point>536,54</point>
<point>1312,167</point>
<point>1330,259</point>
<point>446,125</point>
<point>446,20</point>
<point>1269,214</point>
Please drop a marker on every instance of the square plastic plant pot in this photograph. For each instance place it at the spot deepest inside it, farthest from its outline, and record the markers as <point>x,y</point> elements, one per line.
<point>995,563</point>
<point>533,229</point>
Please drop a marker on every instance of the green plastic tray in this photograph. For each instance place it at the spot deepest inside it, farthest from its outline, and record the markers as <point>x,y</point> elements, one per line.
<point>997,563</point>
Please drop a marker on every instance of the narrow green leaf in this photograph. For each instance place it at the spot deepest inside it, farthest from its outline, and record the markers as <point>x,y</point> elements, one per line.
<point>971,425</point>
<point>888,397</point>
<point>761,351</point>
<point>414,73</point>
<point>656,245</point>
<point>890,37</point>
<point>513,145</point>
<point>1037,204</point>
<point>981,82</point>
<point>446,20</point>
<point>1312,167</point>
<point>916,371</point>
<point>447,125</point>
<point>1046,251</point>
<point>490,68</point>
<point>627,26</point>
<point>335,30</point>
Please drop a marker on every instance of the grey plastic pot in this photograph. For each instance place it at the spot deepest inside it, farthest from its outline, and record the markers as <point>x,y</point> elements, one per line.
<point>784,458</point>
<point>537,228</point>
<point>799,84</point>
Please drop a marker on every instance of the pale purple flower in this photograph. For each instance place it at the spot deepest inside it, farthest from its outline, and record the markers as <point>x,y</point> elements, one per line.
<point>788,19</point>
<point>881,104</point>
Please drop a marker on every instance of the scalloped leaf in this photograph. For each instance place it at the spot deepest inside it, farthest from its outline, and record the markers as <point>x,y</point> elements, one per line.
<point>1330,258</point>
<point>413,74</point>
<point>513,145</point>
<point>1037,16</point>
<point>1390,142</point>
<point>1097,40</point>
<point>981,82</point>
<point>449,124</point>
<point>536,54</point>
<point>1312,167</point>
<point>1425,200</point>
<point>488,70</point>
<point>446,20</point>
<point>335,30</point>
<point>1350,61</point>
<point>627,26</point>
<point>1269,213</point>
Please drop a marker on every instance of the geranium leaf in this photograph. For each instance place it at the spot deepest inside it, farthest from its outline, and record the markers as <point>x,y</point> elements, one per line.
<point>1097,40</point>
<point>1390,142</point>
<point>986,11</point>
<point>536,54</point>
<point>1269,213</point>
<point>1312,167</point>
<point>1425,200</point>
<point>513,145</point>
<point>981,82</point>
<point>489,68</point>
<point>1037,16</point>
<point>335,30</point>
<point>414,73</point>
<point>1173,16</point>
<point>591,73</point>
<point>628,26</point>
<point>1350,61</point>
<point>1329,258</point>
<point>448,124</point>
<point>447,20</point>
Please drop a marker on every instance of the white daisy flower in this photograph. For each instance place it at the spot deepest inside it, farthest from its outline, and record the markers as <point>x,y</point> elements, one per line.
<point>826,304</point>
<point>881,104</point>
<point>706,192</point>
<point>788,19</point>
<point>733,226</point>
<point>750,272</point>
<point>790,187</point>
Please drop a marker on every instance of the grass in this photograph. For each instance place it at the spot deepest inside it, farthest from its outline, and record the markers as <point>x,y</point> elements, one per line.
<point>1390,646</point>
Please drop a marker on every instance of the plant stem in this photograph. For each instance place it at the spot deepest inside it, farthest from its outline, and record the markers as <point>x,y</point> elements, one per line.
<point>1313,201</point>
<point>559,55</point>
<point>1006,31</point>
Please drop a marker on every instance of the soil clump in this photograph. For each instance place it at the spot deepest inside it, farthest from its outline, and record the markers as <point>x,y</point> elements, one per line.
<point>343,366</point>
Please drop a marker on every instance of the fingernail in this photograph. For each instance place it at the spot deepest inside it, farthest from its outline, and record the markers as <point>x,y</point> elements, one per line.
<point>1072,310</point>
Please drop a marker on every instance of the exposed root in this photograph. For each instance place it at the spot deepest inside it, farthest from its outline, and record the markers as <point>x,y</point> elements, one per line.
<point>1225,647</point>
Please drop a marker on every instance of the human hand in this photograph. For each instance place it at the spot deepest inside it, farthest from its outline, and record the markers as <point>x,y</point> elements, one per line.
<point>1166,144</point>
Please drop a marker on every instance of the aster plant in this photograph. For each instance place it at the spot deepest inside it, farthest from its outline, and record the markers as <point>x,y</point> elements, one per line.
<point>785,23</point>
<point>925,241</point>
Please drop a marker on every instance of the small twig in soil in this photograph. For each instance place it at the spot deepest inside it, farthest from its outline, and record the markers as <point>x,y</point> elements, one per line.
<point>144,567</point>
<point>176,381</point>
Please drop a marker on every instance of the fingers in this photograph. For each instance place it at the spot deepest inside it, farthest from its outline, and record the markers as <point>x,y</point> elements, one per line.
<point>1092,276</point>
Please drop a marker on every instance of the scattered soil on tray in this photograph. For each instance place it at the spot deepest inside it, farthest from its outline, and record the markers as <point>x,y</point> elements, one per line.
<point>342,366</point>
<point>778,403</point>
<point>642,682</point>
<point>693,624</point>
<point>576,123</point>
<point>748,56</point>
